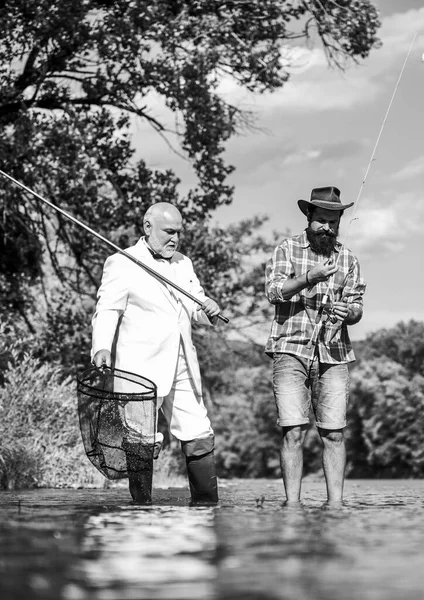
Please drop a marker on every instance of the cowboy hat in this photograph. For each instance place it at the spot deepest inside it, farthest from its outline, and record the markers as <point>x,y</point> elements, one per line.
<point>325,197</point>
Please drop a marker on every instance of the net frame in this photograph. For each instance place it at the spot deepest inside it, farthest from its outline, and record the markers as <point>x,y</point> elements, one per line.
<point>102,410</point>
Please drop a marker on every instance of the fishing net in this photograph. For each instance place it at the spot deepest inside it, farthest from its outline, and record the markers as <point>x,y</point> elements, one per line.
<point>117,413</point>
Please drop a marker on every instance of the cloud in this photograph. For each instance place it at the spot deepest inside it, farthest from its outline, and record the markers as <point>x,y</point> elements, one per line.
<point>264,157</point>
<point>313,87</point>
<point>411,170</point>
<point>326,152</point>
<point>316,91</point>
<point>341,150</point>
<point>301,157</point>
<point>384,225</point>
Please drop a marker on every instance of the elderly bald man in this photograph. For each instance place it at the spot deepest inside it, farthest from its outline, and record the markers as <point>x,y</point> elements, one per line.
<point>143,326</point>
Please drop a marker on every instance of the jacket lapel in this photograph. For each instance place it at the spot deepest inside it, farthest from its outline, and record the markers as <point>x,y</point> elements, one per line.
<point>144,255</point>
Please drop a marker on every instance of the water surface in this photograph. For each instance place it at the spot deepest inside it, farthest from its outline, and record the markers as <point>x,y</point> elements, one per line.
<point>94,544</point>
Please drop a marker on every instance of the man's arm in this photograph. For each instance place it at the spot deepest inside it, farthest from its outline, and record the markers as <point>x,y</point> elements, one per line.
<point>111,302</point>
<point>281,285</point>
<point>320,272</point>
<point>278,270</point>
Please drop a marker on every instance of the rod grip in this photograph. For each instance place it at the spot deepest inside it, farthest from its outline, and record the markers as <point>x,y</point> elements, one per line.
<point>223,318</point>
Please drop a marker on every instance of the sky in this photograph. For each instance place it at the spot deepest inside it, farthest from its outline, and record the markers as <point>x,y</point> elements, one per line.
<point>321,129</point>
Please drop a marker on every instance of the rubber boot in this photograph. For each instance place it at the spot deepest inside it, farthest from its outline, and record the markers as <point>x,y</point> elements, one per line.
<point>140,471</point>
<point>201,471</point>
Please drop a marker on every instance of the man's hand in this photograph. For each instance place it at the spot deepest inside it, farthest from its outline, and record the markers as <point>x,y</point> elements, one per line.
<point>102,358</point>
<point>210,308</point>
<point>347,313</point>
<point>322,271</point>
<point>341,310</point>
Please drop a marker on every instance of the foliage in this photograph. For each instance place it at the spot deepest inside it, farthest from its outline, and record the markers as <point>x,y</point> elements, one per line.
<point>238,393</point>
<point>40,443</point>
<point>75,75</point>
<point>65,337</point>
<point>245,425</point>
<point>384,423</point>
<point>387,420</point>
<point>403,344</point>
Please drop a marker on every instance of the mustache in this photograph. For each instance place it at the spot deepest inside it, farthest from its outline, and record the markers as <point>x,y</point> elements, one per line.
<point>325,234</point>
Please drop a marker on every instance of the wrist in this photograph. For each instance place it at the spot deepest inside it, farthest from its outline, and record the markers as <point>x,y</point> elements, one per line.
<point>308,279</point>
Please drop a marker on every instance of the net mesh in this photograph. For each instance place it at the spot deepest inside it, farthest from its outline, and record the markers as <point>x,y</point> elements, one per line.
<point>117,413</point>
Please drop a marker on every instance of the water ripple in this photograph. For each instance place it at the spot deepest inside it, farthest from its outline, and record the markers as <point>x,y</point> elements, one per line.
<point>94,544</point>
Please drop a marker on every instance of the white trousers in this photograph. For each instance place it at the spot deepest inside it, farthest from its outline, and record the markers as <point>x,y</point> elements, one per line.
<point>183,408</point>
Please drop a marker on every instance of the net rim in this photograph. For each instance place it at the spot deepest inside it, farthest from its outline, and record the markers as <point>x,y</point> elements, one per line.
<point>83,386</point>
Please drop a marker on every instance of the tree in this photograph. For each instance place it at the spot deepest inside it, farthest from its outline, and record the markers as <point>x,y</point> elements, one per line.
<point>73,72</point>
<point>386,421</point>
<point>403,344</point>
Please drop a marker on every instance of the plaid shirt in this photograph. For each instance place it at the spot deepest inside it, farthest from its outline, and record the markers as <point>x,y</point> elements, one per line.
<point>295,319</point>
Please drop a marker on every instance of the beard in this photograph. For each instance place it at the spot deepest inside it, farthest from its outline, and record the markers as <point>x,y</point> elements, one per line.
<point>322,242</point>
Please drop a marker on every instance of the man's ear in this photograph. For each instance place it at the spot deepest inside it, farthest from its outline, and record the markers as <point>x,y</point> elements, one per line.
<point>147,227</point>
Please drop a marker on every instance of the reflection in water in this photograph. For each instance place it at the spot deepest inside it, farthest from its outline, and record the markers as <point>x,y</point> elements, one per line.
<point>66,545</point>
<point>164,552</point>
<point>371,548</point>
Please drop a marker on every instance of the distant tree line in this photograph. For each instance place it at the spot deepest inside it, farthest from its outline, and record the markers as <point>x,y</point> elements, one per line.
<point>386,431</point>
<point>41,445</point>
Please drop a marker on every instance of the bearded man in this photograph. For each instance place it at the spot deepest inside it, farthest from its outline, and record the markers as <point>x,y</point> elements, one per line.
<point>143,325</point>
<point>316,287</point>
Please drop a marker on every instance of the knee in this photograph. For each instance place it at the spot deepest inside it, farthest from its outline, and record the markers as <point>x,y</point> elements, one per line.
<point>198,447</point>
<point>333,437</point>
<point>293,437</point>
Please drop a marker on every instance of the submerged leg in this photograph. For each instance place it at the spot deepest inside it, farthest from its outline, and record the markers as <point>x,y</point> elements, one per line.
<point>201,470</point>
<point>291,460</point>
<point>140,471</point>
<point>334,462</point>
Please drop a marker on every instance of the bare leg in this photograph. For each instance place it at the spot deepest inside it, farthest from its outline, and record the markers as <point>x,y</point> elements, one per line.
<point>291,459</point>
<point>334,462</point>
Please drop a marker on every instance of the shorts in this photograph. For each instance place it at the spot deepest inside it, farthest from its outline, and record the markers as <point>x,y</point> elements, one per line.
<point>300,384</point>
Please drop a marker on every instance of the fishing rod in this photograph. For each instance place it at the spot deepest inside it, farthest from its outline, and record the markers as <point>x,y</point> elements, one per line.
<point>109,243</point>
<point>330,282</point>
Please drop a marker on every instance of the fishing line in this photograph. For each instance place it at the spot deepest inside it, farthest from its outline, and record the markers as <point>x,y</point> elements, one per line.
<point>330,281</point>
<point>382,127</point>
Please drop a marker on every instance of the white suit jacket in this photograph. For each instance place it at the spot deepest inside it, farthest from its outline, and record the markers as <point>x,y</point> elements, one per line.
<point>145,319</point>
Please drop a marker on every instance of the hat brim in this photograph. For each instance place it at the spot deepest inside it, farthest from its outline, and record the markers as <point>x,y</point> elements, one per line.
<point>305,204</point>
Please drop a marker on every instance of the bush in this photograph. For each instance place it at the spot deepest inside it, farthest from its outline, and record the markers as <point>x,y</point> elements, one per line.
<point>40,445</point>
<point>386,437</point>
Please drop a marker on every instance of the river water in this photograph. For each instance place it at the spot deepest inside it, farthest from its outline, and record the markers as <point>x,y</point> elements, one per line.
<point>94,544</point>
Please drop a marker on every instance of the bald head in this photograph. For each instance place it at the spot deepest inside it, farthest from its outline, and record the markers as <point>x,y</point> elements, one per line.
<point>161,210</point>
<point>162,225</point>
